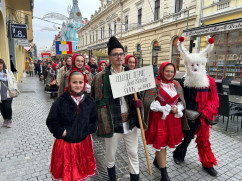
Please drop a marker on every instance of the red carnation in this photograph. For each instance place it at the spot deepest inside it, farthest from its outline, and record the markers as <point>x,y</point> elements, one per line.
<point>211,40</point>
<point>181,38</point>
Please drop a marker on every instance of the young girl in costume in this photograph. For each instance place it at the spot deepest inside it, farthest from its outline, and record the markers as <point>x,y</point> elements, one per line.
<point>71,120</point>
<point>165,104</point>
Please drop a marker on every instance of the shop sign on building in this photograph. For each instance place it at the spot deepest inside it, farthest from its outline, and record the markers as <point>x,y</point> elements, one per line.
<point>23,42</point>
<point>213,29</point>
<point>132,81</point>
<point>19,31</point>
<point>136,54</point>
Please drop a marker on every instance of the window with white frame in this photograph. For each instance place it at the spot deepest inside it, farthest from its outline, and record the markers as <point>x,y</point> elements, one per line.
<point>157,10</point>
<point>178,5</point>
<point>139,16</point>
<point>101,33</point>
<point>96,35</point>
<point>109,30</point>
<point>114,27</point>
<point>126,23</point>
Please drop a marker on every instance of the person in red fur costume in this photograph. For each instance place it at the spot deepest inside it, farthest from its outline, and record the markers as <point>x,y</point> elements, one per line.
<point>201,96</point>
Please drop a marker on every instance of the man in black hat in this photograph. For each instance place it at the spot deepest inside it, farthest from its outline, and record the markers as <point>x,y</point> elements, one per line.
<point>117,118</point>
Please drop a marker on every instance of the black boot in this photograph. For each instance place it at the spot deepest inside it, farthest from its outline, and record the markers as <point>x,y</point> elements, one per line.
<point>211,171</point>
<point>112,174</point>
<point>134,177</point>
<point>180,152</point>
<point>164,175</point>
<point>156,163</point>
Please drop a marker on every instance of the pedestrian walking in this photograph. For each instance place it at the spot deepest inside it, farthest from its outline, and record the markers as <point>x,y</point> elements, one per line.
<point>51,80</point>
<point>12,66</point>
<point>93,66</point>
<point>78,63</point>
<point>131,61</point>
<point>165,104</point>
<point>72,119</point>
<point>63,69</point>
<point>8,81</point>
<point>117,118</point>
<point>31,69</point>
<point>202,106</point>
<point>102,65</point>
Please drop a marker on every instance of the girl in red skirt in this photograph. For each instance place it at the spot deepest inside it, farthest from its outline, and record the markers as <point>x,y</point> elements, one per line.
<point>165,104</point>
<point>72,118</point>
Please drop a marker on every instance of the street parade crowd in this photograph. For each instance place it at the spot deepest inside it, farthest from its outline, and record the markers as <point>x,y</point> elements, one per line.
<point>173,112</point>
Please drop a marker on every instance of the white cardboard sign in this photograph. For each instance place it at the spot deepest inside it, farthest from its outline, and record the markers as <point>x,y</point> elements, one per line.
<point>132,81</point>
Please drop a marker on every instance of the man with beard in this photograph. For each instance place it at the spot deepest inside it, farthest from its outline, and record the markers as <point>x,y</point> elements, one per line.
<point>202,104</point>
<point>63,69</point>
<point>93,66</point>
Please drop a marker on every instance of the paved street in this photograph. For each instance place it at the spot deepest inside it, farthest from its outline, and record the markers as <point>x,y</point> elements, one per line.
<point>25,148</point>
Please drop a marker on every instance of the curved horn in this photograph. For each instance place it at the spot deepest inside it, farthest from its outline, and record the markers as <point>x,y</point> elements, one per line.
<point>210,45</point>
<point>180,45</point>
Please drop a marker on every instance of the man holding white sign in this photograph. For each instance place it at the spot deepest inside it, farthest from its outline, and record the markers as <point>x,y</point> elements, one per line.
<point>117,117</point>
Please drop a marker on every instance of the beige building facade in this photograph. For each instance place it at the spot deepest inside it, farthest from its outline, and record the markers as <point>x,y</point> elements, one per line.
<point>16,12</point>
<point>147,29</point>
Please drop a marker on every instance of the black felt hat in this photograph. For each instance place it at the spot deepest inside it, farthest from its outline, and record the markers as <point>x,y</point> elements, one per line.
<point>113,43</point>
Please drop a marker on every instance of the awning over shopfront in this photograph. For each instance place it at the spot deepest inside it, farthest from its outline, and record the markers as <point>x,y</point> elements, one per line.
<point>214,28</point>
<point>98,46</point>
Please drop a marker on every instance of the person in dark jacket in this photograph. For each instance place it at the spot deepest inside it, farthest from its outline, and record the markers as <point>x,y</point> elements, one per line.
<point>93,66</point>
<point>71,120</point>
<point>117,118</point>
<point>12,66</point>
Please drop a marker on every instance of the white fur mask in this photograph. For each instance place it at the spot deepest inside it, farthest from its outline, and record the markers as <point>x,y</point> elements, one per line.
<point>195,64</point>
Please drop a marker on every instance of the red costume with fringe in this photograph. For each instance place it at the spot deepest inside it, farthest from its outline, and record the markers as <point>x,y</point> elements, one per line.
<point>206,101</point>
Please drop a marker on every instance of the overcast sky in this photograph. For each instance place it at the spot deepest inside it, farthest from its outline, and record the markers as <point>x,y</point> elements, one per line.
<point>44,39</point>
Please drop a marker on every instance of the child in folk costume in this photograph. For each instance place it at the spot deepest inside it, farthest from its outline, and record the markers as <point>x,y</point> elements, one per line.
<point>72,118</point>
<point>165,104</point>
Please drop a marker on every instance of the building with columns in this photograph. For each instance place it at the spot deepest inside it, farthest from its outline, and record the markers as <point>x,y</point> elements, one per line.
<point>147,29</point>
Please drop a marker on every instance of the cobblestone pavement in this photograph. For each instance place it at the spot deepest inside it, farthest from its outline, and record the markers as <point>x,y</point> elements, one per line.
<point>25,148</point>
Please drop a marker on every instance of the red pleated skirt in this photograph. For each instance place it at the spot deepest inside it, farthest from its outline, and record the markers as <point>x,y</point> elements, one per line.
<point>162,133</point>
<point>72,161</point>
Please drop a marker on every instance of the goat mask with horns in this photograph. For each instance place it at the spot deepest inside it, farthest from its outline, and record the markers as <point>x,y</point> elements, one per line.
<point>195,64</point>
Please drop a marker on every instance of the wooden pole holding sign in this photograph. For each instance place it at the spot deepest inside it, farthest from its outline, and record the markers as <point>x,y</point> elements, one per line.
<point>131,82</point>
<point>143,135</point>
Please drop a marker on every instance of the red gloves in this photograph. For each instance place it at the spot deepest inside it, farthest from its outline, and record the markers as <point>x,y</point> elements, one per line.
<point>138,103</point>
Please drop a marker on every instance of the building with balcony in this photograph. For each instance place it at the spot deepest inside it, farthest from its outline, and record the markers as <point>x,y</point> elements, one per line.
<point>222,19</point>
<point>147,29</point>
<point>15,12</point>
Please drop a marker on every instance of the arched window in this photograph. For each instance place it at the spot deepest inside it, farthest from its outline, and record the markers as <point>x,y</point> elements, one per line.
<point>138,48</point>
<point>125,50</point>
<point>139,56</point>
<point>155,51</point>
<point>175,55</point>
